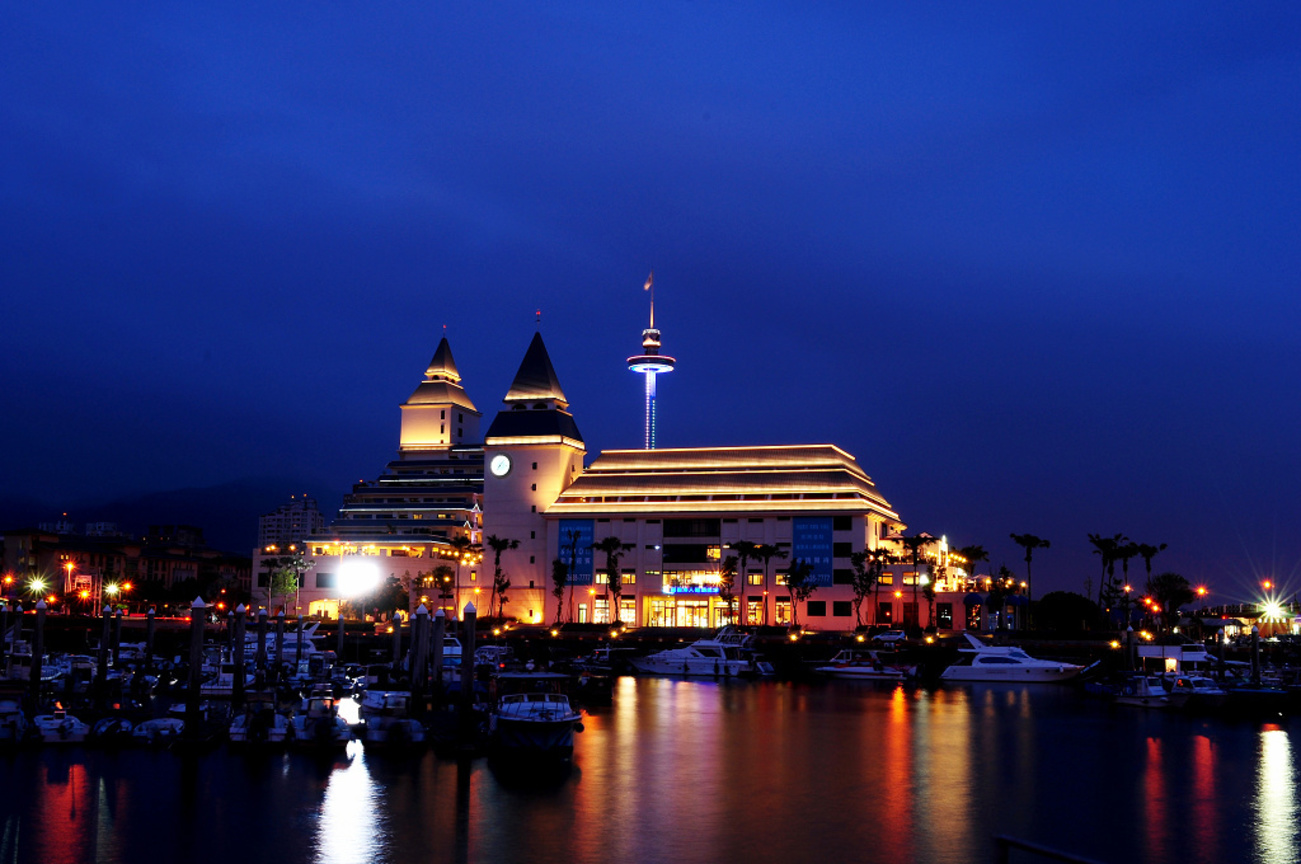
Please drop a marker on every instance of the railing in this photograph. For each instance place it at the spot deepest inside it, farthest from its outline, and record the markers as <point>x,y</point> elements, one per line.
<point>1003,846</point>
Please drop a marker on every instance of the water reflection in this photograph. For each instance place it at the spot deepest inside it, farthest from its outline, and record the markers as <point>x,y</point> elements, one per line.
<point>1275,801</point>
<point>350,827</point>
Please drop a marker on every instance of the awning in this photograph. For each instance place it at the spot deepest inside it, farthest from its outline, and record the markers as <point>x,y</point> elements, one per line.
<point>973,600</point>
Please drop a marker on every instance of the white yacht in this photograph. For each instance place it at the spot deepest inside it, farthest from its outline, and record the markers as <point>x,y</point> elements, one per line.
<point>259,723</point>
<point>388,721</point>
<point>317,723</point>
<point>536,720</point>
<point>60,727</point>
<point>988,663</point>
<point>1148,691</point>
<point>716,657</point>
<point>866,665</point>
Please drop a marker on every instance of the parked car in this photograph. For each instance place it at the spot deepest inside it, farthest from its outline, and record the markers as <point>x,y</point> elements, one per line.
<point>890,636</point>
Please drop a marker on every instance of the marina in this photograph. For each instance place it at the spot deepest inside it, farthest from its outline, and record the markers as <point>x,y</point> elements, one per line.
<point>691,771</point>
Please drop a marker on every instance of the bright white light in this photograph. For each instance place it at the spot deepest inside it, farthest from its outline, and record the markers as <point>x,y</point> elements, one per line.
<point>357,576</point>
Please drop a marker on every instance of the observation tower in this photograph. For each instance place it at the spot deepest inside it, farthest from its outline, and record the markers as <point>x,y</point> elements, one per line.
<point>650,363</point>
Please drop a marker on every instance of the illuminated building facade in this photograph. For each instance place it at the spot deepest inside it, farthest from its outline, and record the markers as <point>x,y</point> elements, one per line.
<point>290,523</point>
<point>405,523</point>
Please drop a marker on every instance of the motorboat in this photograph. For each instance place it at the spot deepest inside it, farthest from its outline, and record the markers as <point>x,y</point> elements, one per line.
<point>1147,691</point>
<point>60,727</point>
<point>388,722</point>
<point>317,723</point>
<point>111,731</point>
<point>14,727</point>
<point>158,732</point>
<point>259,723</point>
<point>989,663</point>
<point>865,665</point>
<point>1202,693</point>
<point>532,717</point>
<point>720,656</point>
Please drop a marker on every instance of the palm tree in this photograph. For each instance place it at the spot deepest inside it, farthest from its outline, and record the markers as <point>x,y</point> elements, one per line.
<point>1106,548</point>
<point>1170,590</point>
<point>499,581</point>
<point>865,575</point>
<point>799,583</point>
<point>1147,552</point>
<point>744,550</point>
<point>443,579</point>
<point>727,586</point>
<point>559,576</point>
<point>973,554</point>
<point>613,548</point>
<point>463,550</point>
<point>914,545</point>
<point>767,552</point>
<point>1029,542</point>
<point>882,558</point>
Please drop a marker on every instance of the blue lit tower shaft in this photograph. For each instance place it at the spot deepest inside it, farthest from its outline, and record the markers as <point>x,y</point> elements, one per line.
<point>650,363</point>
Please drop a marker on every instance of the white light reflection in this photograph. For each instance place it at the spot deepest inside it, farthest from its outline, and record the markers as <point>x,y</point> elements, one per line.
<point>1275,805</point>
<point>347,829</point>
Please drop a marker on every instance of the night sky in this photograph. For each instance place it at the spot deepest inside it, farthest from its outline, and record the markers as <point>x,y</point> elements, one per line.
<point>1035,266</point>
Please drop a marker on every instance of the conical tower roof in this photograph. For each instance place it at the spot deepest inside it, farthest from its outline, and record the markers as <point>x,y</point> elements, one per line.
<point>442,382</point>
<point>536,379</point>
<point>443,366</point>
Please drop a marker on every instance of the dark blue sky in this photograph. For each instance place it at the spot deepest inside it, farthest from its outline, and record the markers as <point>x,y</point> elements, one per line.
<point>1036,267</point>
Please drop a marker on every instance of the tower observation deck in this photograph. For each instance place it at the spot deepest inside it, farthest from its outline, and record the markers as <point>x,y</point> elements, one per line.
<point>651,363</point>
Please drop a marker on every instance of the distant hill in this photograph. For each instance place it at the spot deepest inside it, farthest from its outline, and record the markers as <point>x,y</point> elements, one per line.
<point>227,513</point>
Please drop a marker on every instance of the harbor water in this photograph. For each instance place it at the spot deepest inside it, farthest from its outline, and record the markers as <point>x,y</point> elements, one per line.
<point>687,771</point>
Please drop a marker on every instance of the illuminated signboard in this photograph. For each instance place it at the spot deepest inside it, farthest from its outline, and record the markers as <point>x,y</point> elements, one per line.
<point>690,589</point>
<point>811,542</point>
<point>576,538</point>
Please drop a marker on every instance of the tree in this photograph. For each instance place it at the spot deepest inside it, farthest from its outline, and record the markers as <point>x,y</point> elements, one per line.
<point>914,546</point>
<point>285,573</point>
<point>928,592</point>
<point>864,579</point>
<point>744,550</point>
<point>1170,591</point>
<point>882,559</point>
<point>614,548</point>
<point>465,551</point>
<point>1065,611</point>
<point>571,538</point>
<point>799,582</point>
<point>1029,543</point>
<point>766,553</point>
<point>559,576</point>
<point>727,586</point>
<point>1106,548</point>
<point>499,581</point>
<point>443,579</point>
<point>1147,552</point>
<point>973,554</point>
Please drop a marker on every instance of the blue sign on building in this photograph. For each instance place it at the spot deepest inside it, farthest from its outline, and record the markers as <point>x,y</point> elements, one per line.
<point>811,542</point>
<point>576,538</point>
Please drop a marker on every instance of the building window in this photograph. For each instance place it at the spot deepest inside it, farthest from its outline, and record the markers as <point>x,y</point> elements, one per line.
<point>754,578</point>
<point>842,550</point>
<point>885,613</point>
<point>535,466</point>
<point>841,608</point>
<point>533,535</point>
<point>531,559</point>
<point>630,577</point>
<point>535,487</point>
<point>842,523</point>
<point>944,616</point>
<point>535,508</point>
<point>816,608</point>
<point>782,612</point>
<point>842,576</point>
<point>325,580</point>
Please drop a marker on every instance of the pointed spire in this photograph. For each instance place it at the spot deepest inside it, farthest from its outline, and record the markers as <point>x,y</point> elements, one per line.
<point>443,367</point>
<point>536,379</point>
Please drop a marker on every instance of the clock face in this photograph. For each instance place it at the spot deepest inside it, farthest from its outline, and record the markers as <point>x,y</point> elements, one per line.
<point>500,465</point>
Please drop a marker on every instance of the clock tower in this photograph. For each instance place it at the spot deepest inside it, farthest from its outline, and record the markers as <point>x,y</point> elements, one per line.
<point>533,451</point>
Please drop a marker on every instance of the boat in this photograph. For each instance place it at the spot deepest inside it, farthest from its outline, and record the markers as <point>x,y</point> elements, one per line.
<point>532,718</point>
<point>988,663</point>
<point>259,723</point>
<point>317,723</point>
<point>719,656</point>
<point>158,732</point>
<point>865,665</point>
<point>14,727</point>
<point>1203,693</point>
<point>111,731</point>
<point>388,721</point>
<point>1147,691</point>
<point>60,727</point>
